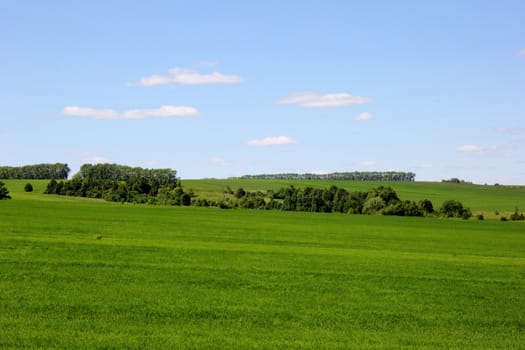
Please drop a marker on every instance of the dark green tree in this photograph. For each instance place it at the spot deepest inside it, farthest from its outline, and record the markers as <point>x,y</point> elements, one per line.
<point>4,193</point>
<point>28,187</point>
<point>454,209</point>
<point>426,206</point>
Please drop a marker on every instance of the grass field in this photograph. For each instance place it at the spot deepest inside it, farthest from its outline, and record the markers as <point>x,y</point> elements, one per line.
<point>198,278</point>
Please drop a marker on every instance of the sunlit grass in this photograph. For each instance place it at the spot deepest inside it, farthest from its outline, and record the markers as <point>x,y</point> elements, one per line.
<point>205,278</point>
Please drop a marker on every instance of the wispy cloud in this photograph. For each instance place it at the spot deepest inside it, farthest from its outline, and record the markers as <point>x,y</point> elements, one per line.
<point>521,53</point>
<point>316,100</point>
<point>511,131</point>
<point>221,162</point>
<point>361,117</point>
<point>425,166</point>
<point>271,141</point>
<point>162,112</point>
<point>185,76</point>
<point>88,157</point>
<point>491,151</point>
<point>470,149</point>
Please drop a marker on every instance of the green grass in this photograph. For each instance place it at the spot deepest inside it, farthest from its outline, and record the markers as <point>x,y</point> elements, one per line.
<point>196,278</point>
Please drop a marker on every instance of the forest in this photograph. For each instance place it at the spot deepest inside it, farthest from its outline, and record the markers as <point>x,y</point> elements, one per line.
<point>120,183</point>
<point>381,200</point>
<point>350,176</point>
<point>36,171</point>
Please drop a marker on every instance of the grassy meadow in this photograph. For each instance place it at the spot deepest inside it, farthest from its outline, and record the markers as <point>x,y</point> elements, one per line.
<point>87,274</point>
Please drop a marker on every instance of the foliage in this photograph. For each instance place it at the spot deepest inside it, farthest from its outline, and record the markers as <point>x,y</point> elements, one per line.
<point>455,180</point>
<point>37,171</point>
<point>333,199</point>
<point>118,172</point>
<point>28,187</point>
<point>4,193</point>
<point>454,209</point>
<point>351,176</point>
<point>426,206</point>
<point>404,208</point>
<point>373,205</point>
<point>517,216</point>
<point>117,183</point>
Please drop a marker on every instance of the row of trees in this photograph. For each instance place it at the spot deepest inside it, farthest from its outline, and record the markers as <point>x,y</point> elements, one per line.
<point>118,172</point>
<point>138,190</point>
<point>455,180</point>
<point>120,183</point>
<point>380,200</point>
<point>351,176</point>
<point>36,171</point>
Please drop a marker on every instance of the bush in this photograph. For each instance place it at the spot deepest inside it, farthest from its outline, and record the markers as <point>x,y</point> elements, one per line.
<point>4,193</point>
<point>373,205</point>
<point>28,187</point>
<point>454,209</point>
<point>404,208</point>
<point>480,217</point>
<point>426,206</point>
<point>516,216</point>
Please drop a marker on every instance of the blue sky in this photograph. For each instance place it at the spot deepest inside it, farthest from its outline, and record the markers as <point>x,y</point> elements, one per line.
<point>226,88</point>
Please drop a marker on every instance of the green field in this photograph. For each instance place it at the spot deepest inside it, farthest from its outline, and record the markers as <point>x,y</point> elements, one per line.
<point>206,278</point>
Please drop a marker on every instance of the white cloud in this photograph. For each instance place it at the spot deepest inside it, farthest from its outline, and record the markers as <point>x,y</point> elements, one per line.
<point>270,141</point>
<point>162,112</point>
<point>470,148</point>
<point>363,117</point>
<point>185,76</point>
<point>492,151</point>
<point>90,112</point>
<point>87,157</point>
<point>316,100</point>
<point>521,53</point>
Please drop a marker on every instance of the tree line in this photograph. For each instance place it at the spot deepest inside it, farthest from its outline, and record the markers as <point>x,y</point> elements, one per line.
<point>381,200</point>
<point>119,183</point>
<point>35,172</point>
<point>350,176</point>
<point>118,172</point>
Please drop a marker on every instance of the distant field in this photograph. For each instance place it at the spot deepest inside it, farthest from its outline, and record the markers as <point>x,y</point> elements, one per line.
<point>481,199</point>
<point>201,278</point>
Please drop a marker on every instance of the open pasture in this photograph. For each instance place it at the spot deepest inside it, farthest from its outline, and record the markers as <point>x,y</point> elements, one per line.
<point>87,274</point>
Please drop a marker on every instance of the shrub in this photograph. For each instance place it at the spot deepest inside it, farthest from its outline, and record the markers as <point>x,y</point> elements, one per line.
<point>517,216</point>
<point>426,206</point>
<point>28,187</point>
<point>454,209</point>
<point>404,208</point>
<point>4,193</point>
<point>480,217</point>
<point>373,205</point>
